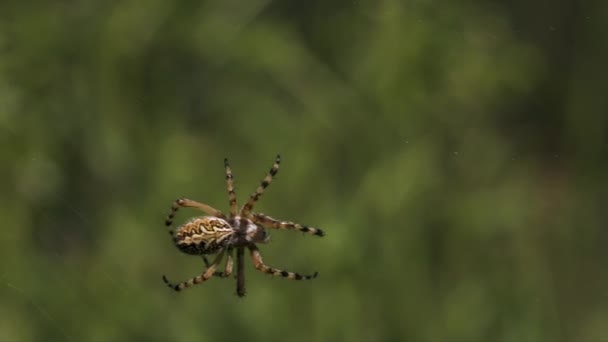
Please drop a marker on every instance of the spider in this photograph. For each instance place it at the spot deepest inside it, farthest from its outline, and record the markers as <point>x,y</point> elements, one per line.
<point>220,234</point>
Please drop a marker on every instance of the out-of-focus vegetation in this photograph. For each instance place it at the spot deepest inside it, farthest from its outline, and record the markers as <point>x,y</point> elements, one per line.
<point>454,153</point>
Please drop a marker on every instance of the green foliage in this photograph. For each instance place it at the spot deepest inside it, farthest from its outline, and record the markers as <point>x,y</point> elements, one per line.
<point>460,191</point>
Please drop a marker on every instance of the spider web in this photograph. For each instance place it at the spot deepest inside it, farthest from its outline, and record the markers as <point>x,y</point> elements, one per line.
<point>48,263</point>
<point>44,313</point>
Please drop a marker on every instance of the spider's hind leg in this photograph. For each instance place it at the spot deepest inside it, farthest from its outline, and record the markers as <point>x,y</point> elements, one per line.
<point>209,272</point>
<point>227,269</point>
<point>260,266</point>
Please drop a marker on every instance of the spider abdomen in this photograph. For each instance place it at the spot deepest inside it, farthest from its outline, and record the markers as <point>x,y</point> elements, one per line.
<point>203,235</point>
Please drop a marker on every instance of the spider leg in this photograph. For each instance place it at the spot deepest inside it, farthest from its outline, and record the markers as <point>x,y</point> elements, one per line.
<point>260,266</point>
<point>187,203</point>
<point>209,272</point>
<point>207,264</point>
<point>260,190</point>
<point>270,222</point>
<point>240,272</point>
<point>227,269</point>
<point>231,192</point>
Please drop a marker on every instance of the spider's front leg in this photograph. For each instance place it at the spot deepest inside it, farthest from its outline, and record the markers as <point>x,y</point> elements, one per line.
<point>269,222</point>
<point>231,192</point>
<point>246,210</point>
<point>260,266</point>
<point>209,272</point>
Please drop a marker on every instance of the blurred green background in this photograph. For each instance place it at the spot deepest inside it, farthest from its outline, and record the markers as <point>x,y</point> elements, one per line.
<point>455,154</point>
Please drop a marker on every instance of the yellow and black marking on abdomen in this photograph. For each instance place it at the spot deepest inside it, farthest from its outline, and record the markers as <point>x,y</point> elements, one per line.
<point>203,235</point>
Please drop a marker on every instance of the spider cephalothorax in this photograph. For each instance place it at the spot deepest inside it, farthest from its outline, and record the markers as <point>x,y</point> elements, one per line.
<point>218,234</point>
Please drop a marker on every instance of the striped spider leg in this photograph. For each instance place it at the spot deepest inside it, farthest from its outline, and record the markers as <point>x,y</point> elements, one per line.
<point>209,272</point>
<point>269,222</point>
<point>259,265</point>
